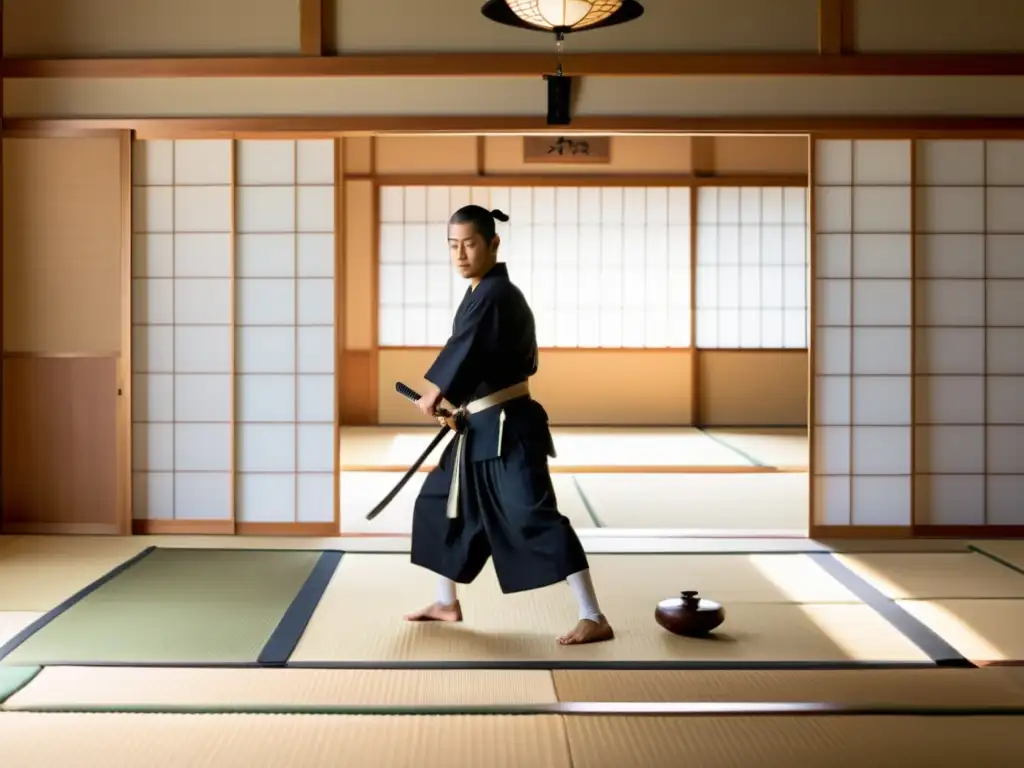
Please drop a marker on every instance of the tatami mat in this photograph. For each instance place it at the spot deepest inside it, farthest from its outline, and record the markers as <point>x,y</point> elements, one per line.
<point>1012,675</point>
<point>935,687</point>
<point>12,622</point>
<point>640,447</point>
<point>386,447</point>
<point>776,447</point>
<point>936,575</point>
<point>393,448</point>
<point>362,491</point>
<point>714,501</point>
<point>1011,551</point>
<point>981,630</point>
<point>788,742</point>
<point>95,688</point>
<point>894,546</point>
<point>604,541</point>
<point>40,572</point>
<point>176,606</point>
<point>92,687</point>
<point>258,741</point>
<point>594,540</point>
<point>12,679</point>
<point>273,741</point>
<point>359,617</point>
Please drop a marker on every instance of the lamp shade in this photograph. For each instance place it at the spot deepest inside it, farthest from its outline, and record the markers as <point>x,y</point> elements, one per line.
<point>562,16</point>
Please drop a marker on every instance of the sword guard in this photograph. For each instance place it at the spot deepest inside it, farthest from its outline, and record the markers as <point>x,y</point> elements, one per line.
<point>461,419</point>
<point>458,416</point>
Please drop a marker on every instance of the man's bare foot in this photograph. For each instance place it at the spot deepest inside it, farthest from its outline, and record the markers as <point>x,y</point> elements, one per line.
<point>587,631</point>
<point>437,612</point>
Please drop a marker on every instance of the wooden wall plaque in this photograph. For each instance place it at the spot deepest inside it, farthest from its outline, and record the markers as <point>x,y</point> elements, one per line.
<point>567,149</point>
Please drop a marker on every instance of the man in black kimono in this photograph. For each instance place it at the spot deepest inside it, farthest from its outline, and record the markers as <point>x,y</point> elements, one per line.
<point>491,494</point>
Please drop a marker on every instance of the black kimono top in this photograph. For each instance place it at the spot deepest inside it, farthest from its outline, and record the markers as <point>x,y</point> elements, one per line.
<point>493,346</point>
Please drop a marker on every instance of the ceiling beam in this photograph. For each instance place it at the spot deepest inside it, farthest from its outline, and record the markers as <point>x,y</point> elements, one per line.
<point>861,127</point>
<point>528,65</point>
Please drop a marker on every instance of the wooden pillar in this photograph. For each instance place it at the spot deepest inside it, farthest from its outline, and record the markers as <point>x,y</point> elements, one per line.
<point>359,269</point>
<point>311,27</point>
<point>835,27</point>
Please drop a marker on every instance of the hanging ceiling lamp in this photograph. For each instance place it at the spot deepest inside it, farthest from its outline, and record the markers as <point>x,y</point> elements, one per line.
<point>562,16</point>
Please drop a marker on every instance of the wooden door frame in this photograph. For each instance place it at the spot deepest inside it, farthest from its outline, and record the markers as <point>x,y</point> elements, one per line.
<point>124,361</point>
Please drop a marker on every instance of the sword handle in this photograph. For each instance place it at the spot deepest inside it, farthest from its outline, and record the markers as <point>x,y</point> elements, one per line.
<point>410,393</point>
<point>406,391</point>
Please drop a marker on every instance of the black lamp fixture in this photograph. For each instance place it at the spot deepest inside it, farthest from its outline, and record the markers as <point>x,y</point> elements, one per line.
<point>561,17</point>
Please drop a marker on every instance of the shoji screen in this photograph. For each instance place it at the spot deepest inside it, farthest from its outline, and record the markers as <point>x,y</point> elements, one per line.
<point>181,330</point>
<point>752,267</point>
<point>284,340</point>
<point>862,224</point>
<point>233,331</point>
<point>1004,335</point>
<point>567,248</point>
<point>970,340</point>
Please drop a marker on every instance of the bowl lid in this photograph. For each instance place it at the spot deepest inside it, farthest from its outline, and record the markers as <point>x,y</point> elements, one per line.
<point>701,604</point>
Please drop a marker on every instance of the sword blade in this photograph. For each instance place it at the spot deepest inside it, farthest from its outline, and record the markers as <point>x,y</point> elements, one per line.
<point>411,394</point>
<point>408,475</point>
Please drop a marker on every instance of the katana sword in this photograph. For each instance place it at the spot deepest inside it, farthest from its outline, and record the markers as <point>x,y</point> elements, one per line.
<point>413,395</point>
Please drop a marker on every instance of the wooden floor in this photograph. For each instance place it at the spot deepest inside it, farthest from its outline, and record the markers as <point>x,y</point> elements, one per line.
<point>615,481</point>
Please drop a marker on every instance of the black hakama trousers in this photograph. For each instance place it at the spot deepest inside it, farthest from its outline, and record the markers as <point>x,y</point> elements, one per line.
<point>507,511</point>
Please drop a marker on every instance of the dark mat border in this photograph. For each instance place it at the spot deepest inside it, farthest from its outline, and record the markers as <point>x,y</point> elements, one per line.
<point>995,558</point>
<point>521,665</point>
<point>739,452</point>
<point>925,638</point>
<point>717,553</point>
<point>631,666</point>
<point>296,618</point>
<point>34,672</point>
<point>570,709</point>
<point>598,523</point>
<point>11,645</point>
